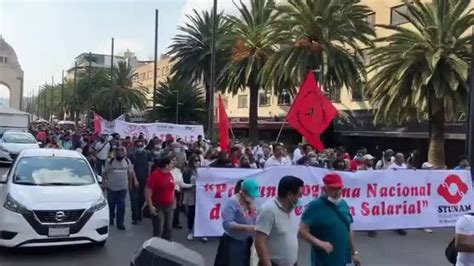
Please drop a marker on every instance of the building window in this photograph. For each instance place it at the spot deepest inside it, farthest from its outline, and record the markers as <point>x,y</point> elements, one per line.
<point>243,101</point>
<point>357,95</point>
<point>150,74</point>
<point>163,71</point>
<point>264,98</point>
<point>284,98</point>
<point>395,17</point>
<point>143,76</point>
<point>1,59</point>
<point>135,77</point>
<point>371,19</point>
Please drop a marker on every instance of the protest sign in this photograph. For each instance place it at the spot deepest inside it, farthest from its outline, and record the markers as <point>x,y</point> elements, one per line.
<point>378,200</point>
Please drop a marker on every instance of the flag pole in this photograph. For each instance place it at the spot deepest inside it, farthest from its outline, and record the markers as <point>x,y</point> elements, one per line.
<point>279,132</point>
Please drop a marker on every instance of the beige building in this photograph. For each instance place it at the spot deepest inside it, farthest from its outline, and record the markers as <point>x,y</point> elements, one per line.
<point>143,76</point>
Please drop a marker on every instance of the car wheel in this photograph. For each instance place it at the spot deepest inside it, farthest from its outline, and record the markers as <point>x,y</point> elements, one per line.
<point>100,244</point>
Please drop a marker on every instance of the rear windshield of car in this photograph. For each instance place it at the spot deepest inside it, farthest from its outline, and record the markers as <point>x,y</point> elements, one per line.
<point>53,171</point>
<point>18,138</point>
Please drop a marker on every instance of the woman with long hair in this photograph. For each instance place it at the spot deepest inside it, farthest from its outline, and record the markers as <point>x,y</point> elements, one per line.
<point>189,194</point>
<point>238,219</point>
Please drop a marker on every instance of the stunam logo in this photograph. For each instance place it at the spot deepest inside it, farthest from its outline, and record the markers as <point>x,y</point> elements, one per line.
<point>453,189</point>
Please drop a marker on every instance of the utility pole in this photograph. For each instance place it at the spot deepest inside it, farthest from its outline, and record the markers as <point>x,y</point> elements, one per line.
<point>74,98</point>
<point>177,105</point>
<point>52,100</point>
<point>89,105</point>
<point>62,96</point>
<point>470,127</point>
<point>210,125</point>
<point>155,63</point>
<point>37,100</point>
<point>112,79</point>
<point>45,97</point>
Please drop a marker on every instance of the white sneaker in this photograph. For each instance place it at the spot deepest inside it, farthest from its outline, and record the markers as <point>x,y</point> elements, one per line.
<point>190,237</point>
<point>204,239</point>
<point>427,230</point>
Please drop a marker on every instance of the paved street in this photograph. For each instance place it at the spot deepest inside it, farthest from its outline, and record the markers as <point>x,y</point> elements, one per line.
<point>388,249</point>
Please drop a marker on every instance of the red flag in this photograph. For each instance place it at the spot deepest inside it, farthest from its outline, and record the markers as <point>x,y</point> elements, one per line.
<point>97,124</point>
<point>311,112</point>
<point>224,126</point>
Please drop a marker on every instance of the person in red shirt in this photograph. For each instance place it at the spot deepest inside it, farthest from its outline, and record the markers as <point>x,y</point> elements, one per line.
<point>235,155</point>
<point>160,197</point>
<point>357,161</point>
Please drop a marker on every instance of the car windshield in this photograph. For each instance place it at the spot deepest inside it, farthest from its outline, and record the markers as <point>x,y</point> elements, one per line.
<point>53,171</point>
<point>18,138</point>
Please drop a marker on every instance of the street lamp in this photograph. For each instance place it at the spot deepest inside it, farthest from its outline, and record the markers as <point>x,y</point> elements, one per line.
<point>177,106</point>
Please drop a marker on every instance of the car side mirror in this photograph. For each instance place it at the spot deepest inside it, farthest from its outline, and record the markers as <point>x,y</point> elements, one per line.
<point>40,143</point>
<point>99,179</point>
<point>3,178</point>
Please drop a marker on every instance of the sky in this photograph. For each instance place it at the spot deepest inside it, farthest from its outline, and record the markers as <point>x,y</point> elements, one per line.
<point>48,34</point>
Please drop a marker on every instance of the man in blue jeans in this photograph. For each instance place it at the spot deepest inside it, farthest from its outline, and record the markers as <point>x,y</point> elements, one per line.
<point>120,177</point>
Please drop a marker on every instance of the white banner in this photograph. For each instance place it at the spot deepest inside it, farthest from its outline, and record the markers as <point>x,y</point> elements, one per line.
<point>378,200</point>
<point>189,133</point>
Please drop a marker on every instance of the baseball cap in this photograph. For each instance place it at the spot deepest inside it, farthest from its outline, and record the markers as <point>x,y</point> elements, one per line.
<point>368,157</point>
<point>251,187</point>
<point>426,165</point>
<point>333,180</point>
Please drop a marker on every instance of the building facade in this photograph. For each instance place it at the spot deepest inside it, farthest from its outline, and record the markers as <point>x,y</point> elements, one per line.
<point>143,76</point>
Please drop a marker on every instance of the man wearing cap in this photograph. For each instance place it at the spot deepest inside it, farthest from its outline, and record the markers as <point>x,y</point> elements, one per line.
<point>326,225</point>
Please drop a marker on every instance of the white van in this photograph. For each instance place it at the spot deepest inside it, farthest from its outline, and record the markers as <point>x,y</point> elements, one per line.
<point>50,198</point>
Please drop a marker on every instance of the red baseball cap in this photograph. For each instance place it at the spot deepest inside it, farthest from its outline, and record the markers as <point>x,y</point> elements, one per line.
<point>333,180</point>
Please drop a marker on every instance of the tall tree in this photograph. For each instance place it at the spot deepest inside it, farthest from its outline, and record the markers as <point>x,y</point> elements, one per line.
<point>175,93</point>
<point>190,50</point>
<point>253,41</point>
<point>324,35</point>
<point>422,71</point>
<point>113,99</point>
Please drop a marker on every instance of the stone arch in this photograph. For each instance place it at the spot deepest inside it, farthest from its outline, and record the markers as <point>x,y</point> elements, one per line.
<point>2,96</point>
<point>11,74</point>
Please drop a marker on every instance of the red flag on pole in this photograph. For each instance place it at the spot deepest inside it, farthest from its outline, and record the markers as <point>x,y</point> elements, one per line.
<point>311,112</point>
<point>224,126</point>
<point>97,124</point>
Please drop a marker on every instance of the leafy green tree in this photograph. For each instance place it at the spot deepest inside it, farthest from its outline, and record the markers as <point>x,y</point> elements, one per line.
<point>190,50</point>
<point>252,40</point>
<point>324,35</point>
<point>175,93</point>
<point>422,71</point>
<point>112,98</point>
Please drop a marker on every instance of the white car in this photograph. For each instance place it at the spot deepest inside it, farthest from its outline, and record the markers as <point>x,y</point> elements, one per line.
<point>51,198</point>
<point>13,142</point>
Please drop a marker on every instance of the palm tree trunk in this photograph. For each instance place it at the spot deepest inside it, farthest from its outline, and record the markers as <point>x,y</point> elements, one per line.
<point>436,152</point>
<point>253,113</point>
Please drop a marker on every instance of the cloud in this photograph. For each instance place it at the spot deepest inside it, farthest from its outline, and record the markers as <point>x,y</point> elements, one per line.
<point>120,46</point>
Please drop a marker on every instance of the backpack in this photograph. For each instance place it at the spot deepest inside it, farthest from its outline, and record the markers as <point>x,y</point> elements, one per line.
<point>126,160</point>
<point>451,253</point>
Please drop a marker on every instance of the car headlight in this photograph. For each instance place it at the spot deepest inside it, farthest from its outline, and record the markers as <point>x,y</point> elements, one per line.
<point>98,205</point>
<point>3,149</point>
<point>14,206</point>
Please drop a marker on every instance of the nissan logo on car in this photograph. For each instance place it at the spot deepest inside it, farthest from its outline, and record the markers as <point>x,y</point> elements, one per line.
<point>60,216</point>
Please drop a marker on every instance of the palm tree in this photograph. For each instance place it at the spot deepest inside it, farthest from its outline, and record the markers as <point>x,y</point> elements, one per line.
<point>422,72</point>
<point>190,51</point>
<point>113,98</point>
<point>325,35</point>
<point>175,93</point>
<point>253,42</point>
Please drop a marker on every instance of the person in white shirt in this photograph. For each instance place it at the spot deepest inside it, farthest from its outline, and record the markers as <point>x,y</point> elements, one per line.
<point>464,240</point>
<point>297,153</point>
<point>258,150</point>
<point>399,162</point>
<point>102,150</point>
<point>277,159</point>
<point>387,159</point>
